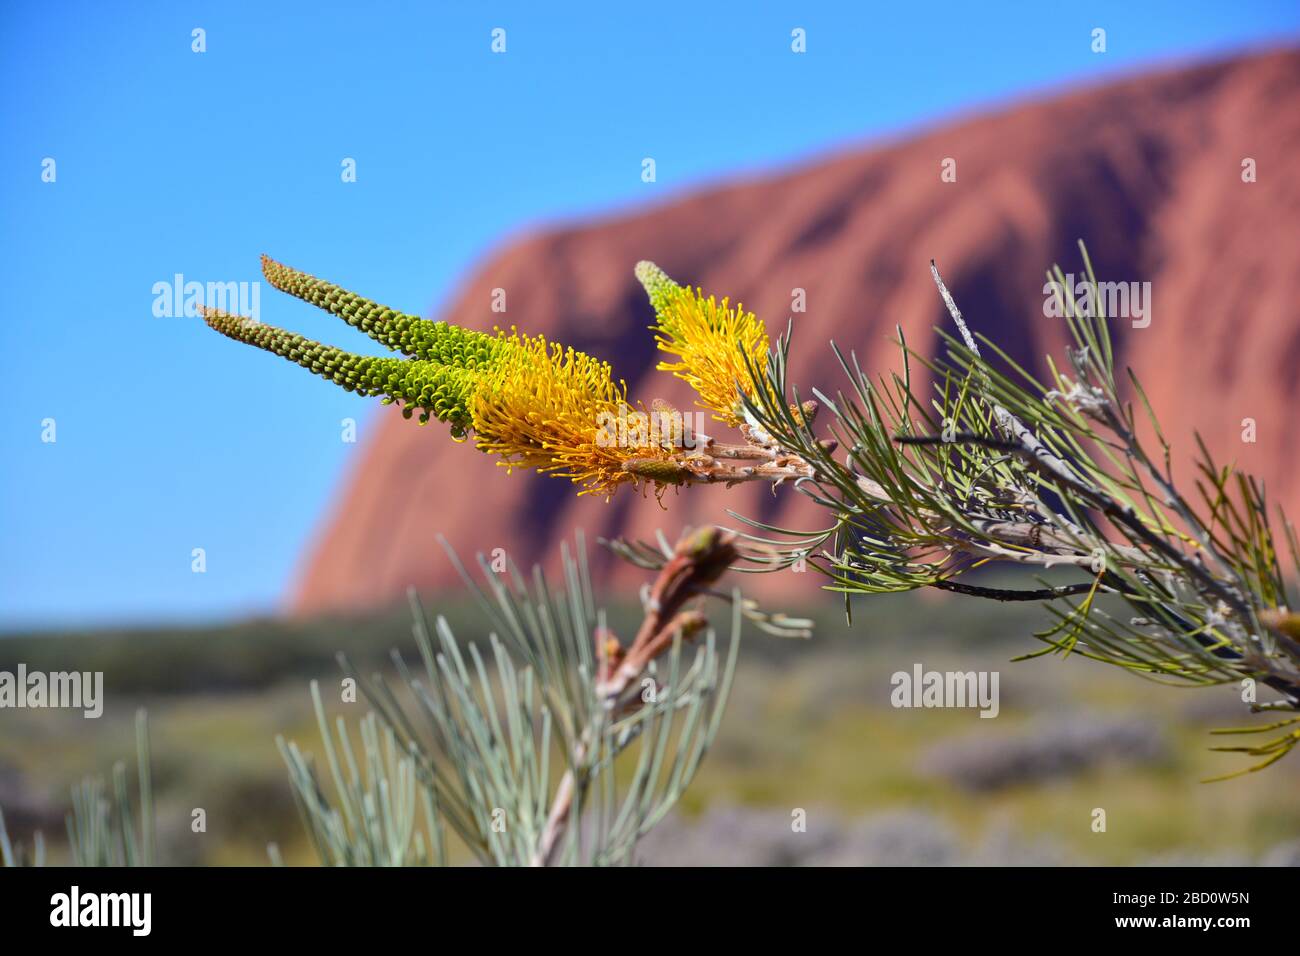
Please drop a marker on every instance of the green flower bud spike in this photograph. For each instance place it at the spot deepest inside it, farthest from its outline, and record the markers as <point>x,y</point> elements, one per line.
<point>408,334</point>
<point>438,389</point>
<point>658,286</point>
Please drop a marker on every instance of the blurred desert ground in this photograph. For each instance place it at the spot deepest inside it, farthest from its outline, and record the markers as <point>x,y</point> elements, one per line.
<point>809,726</point>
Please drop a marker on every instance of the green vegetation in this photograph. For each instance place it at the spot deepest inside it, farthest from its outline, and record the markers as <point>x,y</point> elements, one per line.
<point>808,725</point>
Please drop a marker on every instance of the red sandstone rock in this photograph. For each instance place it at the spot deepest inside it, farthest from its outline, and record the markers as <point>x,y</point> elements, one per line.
<point>1146,171</point>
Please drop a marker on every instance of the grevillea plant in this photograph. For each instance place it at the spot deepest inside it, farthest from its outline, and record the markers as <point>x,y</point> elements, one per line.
<point>1177,581</point>
<point>540,405</point>
<point>558,744</point>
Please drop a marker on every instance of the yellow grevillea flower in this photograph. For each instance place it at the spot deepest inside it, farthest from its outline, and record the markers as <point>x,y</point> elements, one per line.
<point>555,410</point>
<point>536,404</point>
<point>712,340</point>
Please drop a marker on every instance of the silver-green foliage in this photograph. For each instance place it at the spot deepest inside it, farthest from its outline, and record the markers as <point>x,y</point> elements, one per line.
<point>487,742</point>
<point>101,828</point>
<point>994,466</point>
<point>380,815</point>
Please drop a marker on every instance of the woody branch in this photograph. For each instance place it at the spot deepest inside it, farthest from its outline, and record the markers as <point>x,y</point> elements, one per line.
<point>699,559</point>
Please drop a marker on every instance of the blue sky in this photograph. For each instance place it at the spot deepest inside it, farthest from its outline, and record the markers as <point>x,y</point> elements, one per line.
<point>170,161</point>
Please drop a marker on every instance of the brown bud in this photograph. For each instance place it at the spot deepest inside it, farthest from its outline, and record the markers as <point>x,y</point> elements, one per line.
<point>699,542</point>
<point>805,412</point>
<point>691,623</point>
<point>712,550</point>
